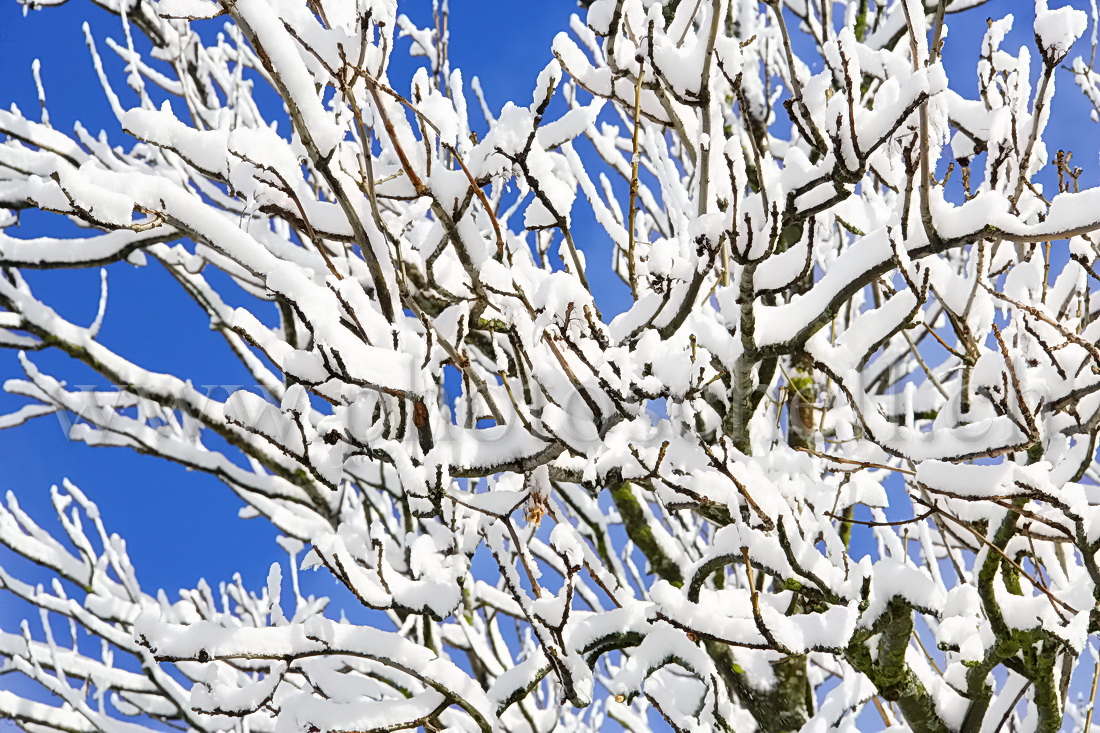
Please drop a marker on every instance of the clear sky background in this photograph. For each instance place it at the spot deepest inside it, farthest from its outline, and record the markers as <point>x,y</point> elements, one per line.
<point>182,526</point>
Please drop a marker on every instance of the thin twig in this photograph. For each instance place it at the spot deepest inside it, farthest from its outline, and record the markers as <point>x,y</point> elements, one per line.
<point>631,263</point>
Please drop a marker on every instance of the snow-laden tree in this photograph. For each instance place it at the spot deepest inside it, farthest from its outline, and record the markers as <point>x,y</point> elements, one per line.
<point>846,284</point>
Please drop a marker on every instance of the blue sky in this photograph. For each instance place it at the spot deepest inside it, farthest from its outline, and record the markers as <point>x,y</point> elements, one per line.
<point>181,526</point>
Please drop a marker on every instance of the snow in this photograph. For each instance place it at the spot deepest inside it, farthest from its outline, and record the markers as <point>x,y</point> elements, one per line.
<point>211,640</point>
<point>283,54</point>
<point>37,252</point>
<point>776,324</point>
<point>188,9</point>
<point>534,488</point>
<point>15,707</point>
<point>894,579</point>
<point>1056,29</point>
